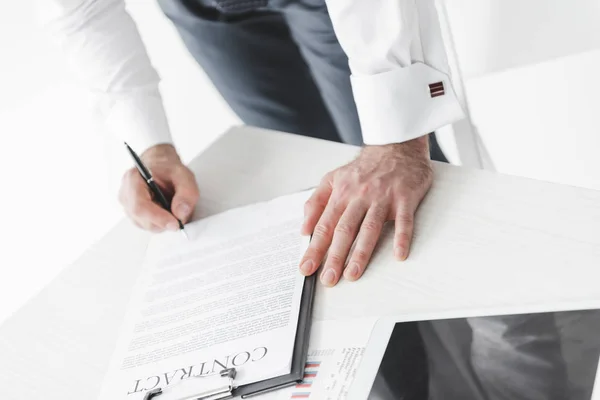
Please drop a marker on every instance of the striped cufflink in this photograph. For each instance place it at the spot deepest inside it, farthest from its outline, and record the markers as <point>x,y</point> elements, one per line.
<point>436,89</point>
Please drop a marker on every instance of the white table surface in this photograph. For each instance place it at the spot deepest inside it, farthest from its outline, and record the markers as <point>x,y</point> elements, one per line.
<point>483,241</point>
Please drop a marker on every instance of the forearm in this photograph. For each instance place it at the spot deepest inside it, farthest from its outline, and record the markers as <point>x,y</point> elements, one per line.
<point>106,54</point>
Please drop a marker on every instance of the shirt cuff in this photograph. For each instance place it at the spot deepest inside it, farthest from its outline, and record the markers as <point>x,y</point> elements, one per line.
<point>404,103</point>
<point>138,119</point>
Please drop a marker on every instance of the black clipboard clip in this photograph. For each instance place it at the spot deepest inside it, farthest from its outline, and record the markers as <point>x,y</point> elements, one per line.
<point>215,386</point>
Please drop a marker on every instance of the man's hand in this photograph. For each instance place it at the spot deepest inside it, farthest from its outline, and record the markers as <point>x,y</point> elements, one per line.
<point>174,178</point>
<point>354,201</point>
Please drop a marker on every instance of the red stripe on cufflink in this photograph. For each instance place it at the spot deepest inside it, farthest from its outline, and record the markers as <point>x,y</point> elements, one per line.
<point>436,89</point>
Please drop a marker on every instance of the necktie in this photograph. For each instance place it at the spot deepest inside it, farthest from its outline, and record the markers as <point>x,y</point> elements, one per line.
<point>239,6</point>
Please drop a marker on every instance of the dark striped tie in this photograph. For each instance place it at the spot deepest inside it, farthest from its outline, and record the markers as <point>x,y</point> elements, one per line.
<point>239,6</point>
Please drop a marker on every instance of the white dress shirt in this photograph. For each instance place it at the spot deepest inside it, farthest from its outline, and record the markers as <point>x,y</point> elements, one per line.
<point>395,51</point>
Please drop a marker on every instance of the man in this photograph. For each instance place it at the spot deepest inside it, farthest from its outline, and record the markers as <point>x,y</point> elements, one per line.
<point>279,65</point>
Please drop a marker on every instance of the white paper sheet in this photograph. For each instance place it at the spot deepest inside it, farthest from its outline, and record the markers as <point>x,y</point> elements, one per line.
<point>229,297</point>
<point>334,354</point>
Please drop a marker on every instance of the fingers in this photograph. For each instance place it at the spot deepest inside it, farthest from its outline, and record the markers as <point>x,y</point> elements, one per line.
<point>186,194</point>
<point>152,228</point>
<point>152,217</point>
<point>369,233</point>
<point>137,202</point>
<point>404,227</point>
<point>315,205</point>
<point>321,238</point>
<point>344,234</point>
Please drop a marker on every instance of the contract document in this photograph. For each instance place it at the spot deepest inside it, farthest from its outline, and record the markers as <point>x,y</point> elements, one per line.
<point>228,297</point>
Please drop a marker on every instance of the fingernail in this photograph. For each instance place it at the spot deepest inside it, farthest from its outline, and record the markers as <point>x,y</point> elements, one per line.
<point>328,277</point>
<point>306,267</point>
<point>399,253</point>
<point>352,271</point>
<point>173,226</point>
<point>183,210</point>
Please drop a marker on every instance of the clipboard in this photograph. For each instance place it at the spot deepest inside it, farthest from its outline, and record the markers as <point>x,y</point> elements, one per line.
<point>222,385</point>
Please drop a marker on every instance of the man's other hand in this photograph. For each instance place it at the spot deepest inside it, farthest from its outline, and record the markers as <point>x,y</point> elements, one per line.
<point>354,201</point>
<point>175,180</point>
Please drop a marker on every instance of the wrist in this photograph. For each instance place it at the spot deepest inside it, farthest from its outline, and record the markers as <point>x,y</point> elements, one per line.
<point>415,148</point>
<point>160,153</point>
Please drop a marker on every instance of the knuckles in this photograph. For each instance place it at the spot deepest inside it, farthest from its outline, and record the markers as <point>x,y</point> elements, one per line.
<point>322,230</point>
<point>402,238</point>
<point>344,229</point>
<point>371,226</point>
<point>365,190</point>
<point>329,177</point>
<point>360,256</point>
<point>336,259</point>
<point>343,188</point>
<point>405,218</point>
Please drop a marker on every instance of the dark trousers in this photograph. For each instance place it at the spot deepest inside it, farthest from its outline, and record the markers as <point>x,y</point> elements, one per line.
<point>279,67</point>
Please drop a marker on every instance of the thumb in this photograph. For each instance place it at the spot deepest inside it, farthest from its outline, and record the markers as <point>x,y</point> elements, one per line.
<point>186,194</point>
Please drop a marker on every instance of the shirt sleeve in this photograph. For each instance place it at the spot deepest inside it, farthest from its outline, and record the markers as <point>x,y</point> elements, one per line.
<point>105,52</point>
<point>400,74</point>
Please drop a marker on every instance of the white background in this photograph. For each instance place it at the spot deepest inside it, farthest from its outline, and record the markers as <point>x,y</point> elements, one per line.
<point>531,74</point>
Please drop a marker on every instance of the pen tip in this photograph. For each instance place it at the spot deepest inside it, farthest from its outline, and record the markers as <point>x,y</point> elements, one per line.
<point>182,230</point>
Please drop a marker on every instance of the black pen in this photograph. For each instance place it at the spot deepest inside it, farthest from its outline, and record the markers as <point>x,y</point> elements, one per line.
<point>157,194</point>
